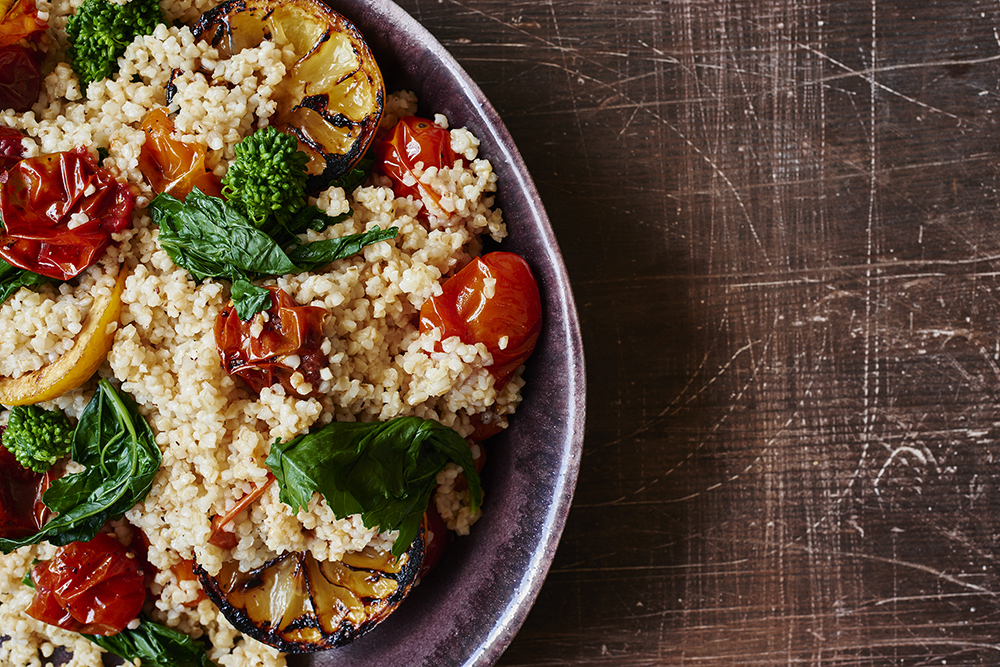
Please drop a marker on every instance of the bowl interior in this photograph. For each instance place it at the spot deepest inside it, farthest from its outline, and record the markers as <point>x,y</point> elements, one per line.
<point>467,611</point>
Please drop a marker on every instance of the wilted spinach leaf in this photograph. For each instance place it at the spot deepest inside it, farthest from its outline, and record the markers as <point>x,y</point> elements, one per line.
<point>155,645</point>
<point>118,448</point>
<point>13,278</point>
<point>384,471</point>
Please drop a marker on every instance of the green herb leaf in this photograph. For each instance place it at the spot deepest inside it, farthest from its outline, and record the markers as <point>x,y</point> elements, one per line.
<point>212,239</point>
<point>356,176</point>
<point>13,278</point>
<point>385,471</point>
<point>155,645</point>
<point>27,579</point>
<point>310,217</point>
<point>118,448</point>
<point>249,299</point>
<point>311,256</point>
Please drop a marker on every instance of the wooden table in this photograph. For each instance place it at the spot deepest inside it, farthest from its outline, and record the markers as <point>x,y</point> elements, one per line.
<point>780,218</point>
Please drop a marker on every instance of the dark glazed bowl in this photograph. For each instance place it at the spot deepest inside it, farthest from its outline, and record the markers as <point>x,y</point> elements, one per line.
<point>467,611</point>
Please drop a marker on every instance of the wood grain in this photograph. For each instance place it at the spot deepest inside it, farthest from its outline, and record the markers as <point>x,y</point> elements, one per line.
<point>780,220</point>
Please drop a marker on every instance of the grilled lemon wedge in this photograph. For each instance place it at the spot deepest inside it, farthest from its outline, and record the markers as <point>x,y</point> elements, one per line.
<point>332,97</point>
<point>82,360</point>
<point>298,604</point>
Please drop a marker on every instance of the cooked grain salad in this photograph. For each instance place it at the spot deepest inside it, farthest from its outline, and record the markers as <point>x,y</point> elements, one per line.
<point>229,386</point>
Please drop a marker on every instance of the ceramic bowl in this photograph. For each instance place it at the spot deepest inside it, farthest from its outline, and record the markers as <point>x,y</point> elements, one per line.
<point>468,609</point>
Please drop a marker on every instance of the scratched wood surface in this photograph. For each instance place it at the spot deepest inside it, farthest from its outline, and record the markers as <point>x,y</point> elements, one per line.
<point>780,218</point>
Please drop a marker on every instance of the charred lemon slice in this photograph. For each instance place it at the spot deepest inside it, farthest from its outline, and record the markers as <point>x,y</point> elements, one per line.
<point>332,97</point>
<point>80,363</point>
<point>298,604</point>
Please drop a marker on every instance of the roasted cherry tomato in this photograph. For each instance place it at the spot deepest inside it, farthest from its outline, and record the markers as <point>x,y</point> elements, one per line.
<point>21,21</point>
<point>415,140</point>
<point>274,344</point>
<point>485,424</point>
<point>22,511</point>
<point>437,537</point>
<point>172,166</point>
<point>59,211</point>
<point>94,587</point>
<point>505,315</point>
<point>20,78</point>
<point>11,147</point>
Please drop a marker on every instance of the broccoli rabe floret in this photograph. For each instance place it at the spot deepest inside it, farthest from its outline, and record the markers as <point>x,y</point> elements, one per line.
<point>37,437</point>
<point>266,180</point>
<point>100,30</point>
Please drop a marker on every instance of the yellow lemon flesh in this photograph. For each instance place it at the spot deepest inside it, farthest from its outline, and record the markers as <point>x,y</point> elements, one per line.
<point>332,97</point>
<point>80,363</point>
<point>298,604</point>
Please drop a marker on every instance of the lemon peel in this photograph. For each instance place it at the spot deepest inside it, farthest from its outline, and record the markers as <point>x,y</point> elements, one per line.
<point>82,360</point>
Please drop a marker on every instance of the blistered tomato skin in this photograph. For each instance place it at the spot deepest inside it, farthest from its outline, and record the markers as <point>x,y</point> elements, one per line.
<point>494,301</point>
<point>258,351</point>
<point>22,511</point>
<point>172,166</point>
<point>20,78</point>
<point>436,538</point>
<point>21,21</point>
<point>415,140</point>
<point>94,587</point>
<point>11,147</point>
<point>59,211</point>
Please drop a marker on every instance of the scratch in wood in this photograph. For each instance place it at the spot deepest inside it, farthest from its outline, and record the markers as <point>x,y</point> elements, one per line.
<point>676,402</point>
<point>869,73</point>
<point>792,546</point>
<point>899,451</point>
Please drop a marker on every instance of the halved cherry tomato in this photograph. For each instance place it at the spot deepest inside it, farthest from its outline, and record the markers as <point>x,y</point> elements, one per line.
<point>11,147</point>
<point>59,211</point>
<point>94,587</point>
<point>22,511</point>
<point>172,166</point>
<point>415,140</point>
<point>20,78</point>
<point>21,21</point>
<point>287,330</point>
<point>506,318</point>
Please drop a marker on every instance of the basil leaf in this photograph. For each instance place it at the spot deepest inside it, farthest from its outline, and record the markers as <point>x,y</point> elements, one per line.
<point>248,298</point>
<point>118,448</point>
<point>155,645</point>
<point>384,471</point>
<point>211,239</point>
<point>284,228</point>
<point>311,256</point>
<point>13,278</point>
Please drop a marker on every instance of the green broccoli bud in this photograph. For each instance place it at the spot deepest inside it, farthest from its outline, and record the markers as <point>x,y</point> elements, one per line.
<point>37,437</point>
<point>100,31</point>
<point>266,181</point>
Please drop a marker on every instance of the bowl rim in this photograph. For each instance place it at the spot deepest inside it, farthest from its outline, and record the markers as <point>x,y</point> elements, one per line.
<point>562,324</point>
